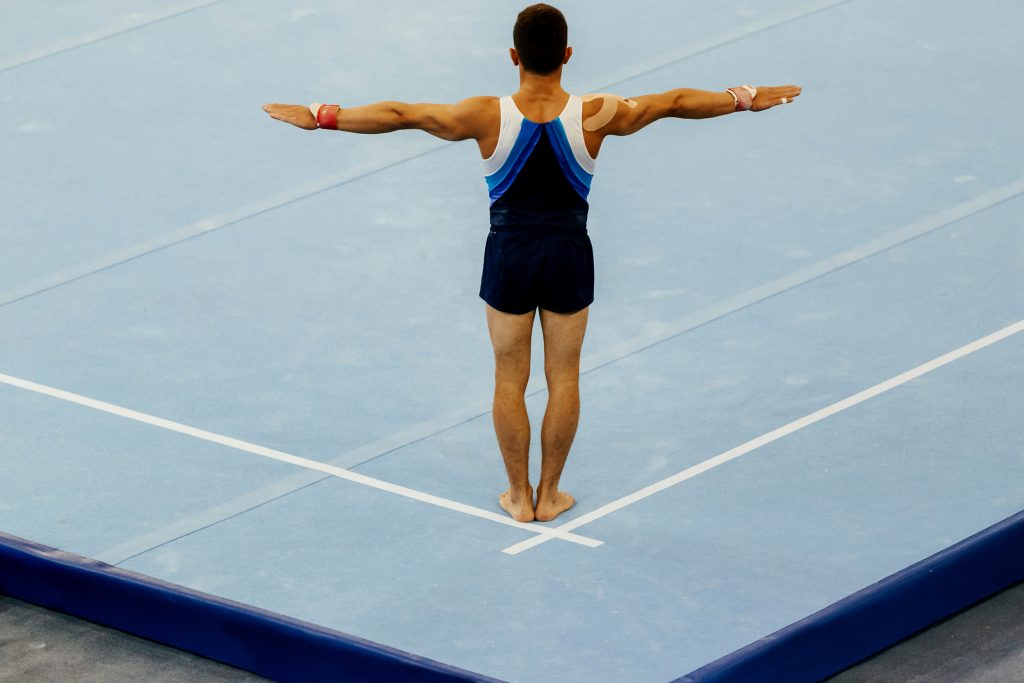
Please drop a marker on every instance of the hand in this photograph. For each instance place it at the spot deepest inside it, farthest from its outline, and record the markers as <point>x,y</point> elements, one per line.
<point>769,96</point>
<point>295,114</point>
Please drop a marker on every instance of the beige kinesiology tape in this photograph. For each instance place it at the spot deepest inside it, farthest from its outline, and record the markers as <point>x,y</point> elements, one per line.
<point>609,106</point>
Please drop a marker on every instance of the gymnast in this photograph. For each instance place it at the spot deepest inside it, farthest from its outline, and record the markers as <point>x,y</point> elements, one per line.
<point>539,148</point>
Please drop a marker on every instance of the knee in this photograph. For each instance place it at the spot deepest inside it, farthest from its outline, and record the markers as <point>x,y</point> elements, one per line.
<point>562,379</point>
<point>511,375</point>
<point>562,368</point>
<point>510,387</point>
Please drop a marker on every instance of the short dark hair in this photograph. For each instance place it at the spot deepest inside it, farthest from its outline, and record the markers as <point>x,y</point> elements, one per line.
<point>540,36</point>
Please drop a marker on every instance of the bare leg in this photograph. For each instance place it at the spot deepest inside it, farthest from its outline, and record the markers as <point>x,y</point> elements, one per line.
<point>510,336</point>
<point>563,339</point>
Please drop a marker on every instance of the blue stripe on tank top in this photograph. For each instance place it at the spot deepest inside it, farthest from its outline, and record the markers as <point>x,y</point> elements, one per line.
<point>502,179</point>
<point>577,176</point>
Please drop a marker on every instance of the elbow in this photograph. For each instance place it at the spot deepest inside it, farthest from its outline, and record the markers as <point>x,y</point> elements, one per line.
<point>400,116</point>
<point>679,104</point>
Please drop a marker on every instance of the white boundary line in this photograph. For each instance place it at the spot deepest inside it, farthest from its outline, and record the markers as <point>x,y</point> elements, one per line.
<point>552,532</point>
<point>776,434</point>
<point>591,361</point>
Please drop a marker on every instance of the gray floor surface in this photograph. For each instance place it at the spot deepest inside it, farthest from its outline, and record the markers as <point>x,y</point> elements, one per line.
<point>38,645</point>
<point>982,644</point>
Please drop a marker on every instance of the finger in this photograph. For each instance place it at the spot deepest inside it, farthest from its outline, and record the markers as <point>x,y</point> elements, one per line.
<point>781,96</point>
<point>783,90</point>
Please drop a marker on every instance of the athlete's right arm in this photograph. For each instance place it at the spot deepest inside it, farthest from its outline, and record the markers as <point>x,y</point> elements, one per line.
<point>688,103</point>
<point>470,118</point>
<point>460,121</point>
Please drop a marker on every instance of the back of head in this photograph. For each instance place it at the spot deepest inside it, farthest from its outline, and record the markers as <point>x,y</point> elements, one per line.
<point>540,37</point>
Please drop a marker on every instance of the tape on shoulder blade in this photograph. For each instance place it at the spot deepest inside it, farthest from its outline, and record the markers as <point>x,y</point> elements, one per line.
<point>609,107</point>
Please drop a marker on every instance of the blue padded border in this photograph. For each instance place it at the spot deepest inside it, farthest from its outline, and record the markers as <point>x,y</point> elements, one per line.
<point>880,615</point>
<point>269,644</point>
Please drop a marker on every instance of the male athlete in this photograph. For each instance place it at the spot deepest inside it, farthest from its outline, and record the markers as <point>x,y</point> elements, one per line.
<point>539,147</point>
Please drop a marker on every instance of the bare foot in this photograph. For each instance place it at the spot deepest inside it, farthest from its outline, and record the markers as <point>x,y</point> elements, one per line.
<point>549,507</point>
<point>520,507</point>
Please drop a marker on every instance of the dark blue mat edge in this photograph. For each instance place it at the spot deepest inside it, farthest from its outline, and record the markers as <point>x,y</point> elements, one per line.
<point>265,643</point>
<point>880,615</point>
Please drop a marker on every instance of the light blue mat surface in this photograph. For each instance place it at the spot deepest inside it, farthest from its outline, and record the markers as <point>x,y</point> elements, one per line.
<point>168,249</point>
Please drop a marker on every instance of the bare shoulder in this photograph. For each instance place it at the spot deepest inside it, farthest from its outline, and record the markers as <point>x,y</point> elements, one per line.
<point>481,110</point>
<point>476,117</point>
<point>480,104</point>
<point>601,109</point>
<point>593,102</point>
<point>591,105</point>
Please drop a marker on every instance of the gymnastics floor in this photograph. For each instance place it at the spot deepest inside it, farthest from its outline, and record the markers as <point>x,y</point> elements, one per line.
<point>250,361</point>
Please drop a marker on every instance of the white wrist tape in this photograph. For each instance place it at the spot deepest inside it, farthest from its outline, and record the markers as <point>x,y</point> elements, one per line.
<point>744,96</point>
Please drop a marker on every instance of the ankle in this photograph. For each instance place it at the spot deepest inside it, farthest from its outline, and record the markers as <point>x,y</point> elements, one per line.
<point>518,493</point>
<point>548,492</point>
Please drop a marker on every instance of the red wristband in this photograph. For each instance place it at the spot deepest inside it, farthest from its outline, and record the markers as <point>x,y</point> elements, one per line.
<point>327,116</point>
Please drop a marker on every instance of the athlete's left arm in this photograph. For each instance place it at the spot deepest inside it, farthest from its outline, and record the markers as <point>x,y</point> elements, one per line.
<point>460,121</point>
<point>631,115</point>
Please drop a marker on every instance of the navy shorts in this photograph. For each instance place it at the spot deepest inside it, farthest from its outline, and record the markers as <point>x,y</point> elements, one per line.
<point>530,267</point>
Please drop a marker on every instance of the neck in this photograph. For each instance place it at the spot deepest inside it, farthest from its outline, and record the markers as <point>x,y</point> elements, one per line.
<point>535,84</point>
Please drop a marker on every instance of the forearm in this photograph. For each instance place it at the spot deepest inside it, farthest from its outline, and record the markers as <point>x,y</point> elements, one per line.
<point>460,121</point>
<point>688,103</point>
<point>379,117</point>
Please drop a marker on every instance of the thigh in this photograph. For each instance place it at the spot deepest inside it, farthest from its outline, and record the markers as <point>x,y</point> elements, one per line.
<point>563,341</point>
<point>510,337</point>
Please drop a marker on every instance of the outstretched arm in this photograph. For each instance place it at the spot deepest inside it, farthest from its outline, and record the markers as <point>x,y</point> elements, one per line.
<point>461,121</point>
<point>688,103</point>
